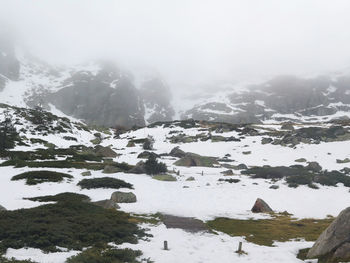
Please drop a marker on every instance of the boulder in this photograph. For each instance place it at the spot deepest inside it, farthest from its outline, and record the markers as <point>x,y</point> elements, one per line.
<point>139,168</point>
<point>147,155</point>
<point>334,241</point>
<point>227,172</point>
<point>274,186</point>
<point>123,197</point>
<point>314,166</point>
<point>191,178</point>
<point>109,169</point>
<point>191,159</point>
<point>86,173</point>
<point>287,126</point>
<point>107,204</point>
<point>261,206</point>
<point>105,151</point>
<point>2,208</point>
<point>266,140</point>
<point>177,152</point>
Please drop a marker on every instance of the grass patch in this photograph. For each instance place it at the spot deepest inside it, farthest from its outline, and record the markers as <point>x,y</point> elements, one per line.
<point>38,177</point>
<point>265,231</point>
<point>164,177</point>
<point>72,225</point>
<point>104,182</point>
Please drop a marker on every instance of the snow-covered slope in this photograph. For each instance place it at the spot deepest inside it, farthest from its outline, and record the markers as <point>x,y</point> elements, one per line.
<point>205,197</point>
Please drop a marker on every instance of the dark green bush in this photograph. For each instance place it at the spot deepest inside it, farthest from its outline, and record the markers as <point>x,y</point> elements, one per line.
<point>230,180</point>
<point>37,177</point>
<point>152,166</point>
<point>62,197</point>
<point>72,225</point>
<point>108,255</point>
<point>299,179</point>
<point>104,182</point>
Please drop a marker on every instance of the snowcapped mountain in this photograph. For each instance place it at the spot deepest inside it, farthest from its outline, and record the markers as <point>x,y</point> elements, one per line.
<point>279,99</point>
<point>97,92</point>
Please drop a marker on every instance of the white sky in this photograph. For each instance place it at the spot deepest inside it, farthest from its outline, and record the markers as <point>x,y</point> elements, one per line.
<point>189,41</point>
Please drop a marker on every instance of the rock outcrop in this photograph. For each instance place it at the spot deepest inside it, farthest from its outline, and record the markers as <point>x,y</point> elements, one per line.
<point>261,206</point>
<point>334,242</point>
<point>123,197</point>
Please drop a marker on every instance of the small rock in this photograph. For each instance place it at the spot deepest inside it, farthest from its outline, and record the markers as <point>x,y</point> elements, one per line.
<point>227,172</point>
<point>274,186</point>
<point>123,197</point>
<point>109,169</point>
<point>261,206</point>
<point>177,152</point>
<point>107,204</point>
<point>86,173</point>
<point>191,178</point>
<point>266,140</point>
<point>314,166</point>
<point>300,160</point>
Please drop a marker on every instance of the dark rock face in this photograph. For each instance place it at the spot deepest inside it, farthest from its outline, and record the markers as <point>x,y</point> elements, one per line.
<point>157,99</point>
<point>177,152</point>
<point>334,240</point>
<point>9,64</point>
<point>107,98</point>
<point>261,206</point>
<point>299,97</point>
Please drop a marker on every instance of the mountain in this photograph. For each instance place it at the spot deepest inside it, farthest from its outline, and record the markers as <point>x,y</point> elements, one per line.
<point>97,92</point>
<point>279,99</point>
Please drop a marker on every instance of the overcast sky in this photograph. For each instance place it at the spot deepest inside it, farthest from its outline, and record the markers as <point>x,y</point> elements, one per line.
<point>189,40</point>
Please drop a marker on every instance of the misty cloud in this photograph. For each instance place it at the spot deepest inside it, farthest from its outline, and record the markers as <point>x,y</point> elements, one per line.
<point>188,41</point>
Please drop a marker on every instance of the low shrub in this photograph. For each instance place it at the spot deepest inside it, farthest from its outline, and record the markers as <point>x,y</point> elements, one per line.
<point>71,225</point>
<point>152,166</point>
<point>37,177</point>
<point>104,182</point>
<point>62,197</point>
<point>107,255</point>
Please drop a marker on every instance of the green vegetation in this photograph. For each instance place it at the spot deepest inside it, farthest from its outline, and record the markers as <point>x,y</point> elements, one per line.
<point>72,225</point>
<point>265,231</point>
<point>104,182</point>
<point>106,255</point>
<point>230,180</point>
<point>5,260</point>
<point>37,177</point>
<point>152,166</point>
<point>164,177</point>
<point>62,197</point>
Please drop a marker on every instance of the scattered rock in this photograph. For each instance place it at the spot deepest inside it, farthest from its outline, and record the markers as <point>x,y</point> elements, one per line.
<point>177,152</point>
<point>86,173</point>
<point>123,197</point>
<point>139,168</point>
<point>346,160</point>
<point>105,151</point>
<point>191,178</point>
<point>314,166</point>
<point>334,240</point>
<point>274,186</point>
<point>300,160</point>
<point>266,140</point>
<point>147,155</point>
<point>287,126</point>
<point>191,159</point>
<point>107,204</point>
<point>109,169</point>
<point>247,152</point>
<point>261,206</point>
<point>227,172</point>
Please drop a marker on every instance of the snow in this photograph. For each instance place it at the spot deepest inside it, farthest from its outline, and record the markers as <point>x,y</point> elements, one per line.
<point>38,256</point>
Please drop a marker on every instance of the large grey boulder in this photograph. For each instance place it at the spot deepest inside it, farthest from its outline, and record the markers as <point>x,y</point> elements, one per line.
<point>261,206</point>
<point>139,168</point>
<point>105,151</point>
<point>109,169</point>
<point>314,166</point>
<point>123,197</point>
<point>335,240</point>
<point>177,152</point>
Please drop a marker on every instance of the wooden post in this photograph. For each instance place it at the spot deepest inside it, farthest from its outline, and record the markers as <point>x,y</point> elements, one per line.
<point>202,173</point>
<point>166,245</point>
<point>239,247</point>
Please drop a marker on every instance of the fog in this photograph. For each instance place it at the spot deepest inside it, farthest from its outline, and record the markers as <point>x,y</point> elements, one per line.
<point>188,41</point>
